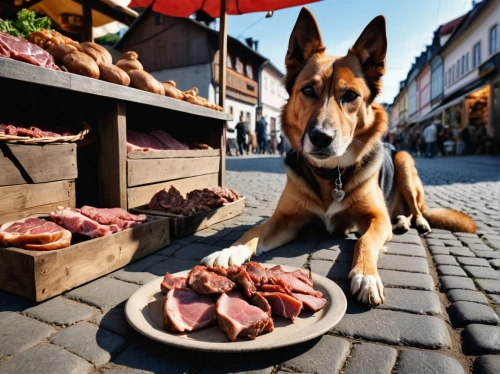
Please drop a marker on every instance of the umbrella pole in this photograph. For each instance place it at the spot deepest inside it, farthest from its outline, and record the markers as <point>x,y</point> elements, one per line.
<point>222,52</point>
<point>87,35</point>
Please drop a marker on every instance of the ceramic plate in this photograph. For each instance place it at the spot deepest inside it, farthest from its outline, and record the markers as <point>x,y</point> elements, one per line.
<point>144,311</point>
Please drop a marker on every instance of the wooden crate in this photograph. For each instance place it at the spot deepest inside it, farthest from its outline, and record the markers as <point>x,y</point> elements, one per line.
<point>35,179</point>
<point>181,225</point>
<point>40,275</point>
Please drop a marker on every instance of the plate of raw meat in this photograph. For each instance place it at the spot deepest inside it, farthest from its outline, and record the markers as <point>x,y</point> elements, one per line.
<point>253,307</point>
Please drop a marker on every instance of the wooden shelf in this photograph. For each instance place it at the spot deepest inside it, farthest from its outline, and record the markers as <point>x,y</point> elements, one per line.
<point>21,71</point>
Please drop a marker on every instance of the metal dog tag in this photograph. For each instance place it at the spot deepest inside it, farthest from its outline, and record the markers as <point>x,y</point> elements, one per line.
<point>337,193</point>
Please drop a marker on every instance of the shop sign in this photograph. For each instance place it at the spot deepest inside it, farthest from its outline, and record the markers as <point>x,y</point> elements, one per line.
<point>489,66</point>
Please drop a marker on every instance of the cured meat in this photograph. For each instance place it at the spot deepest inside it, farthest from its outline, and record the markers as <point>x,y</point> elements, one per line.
<point>236,317</point>
<point>143,140</point>
<point>261,302</point>
<point>257,272</point>
<point>206,198</point>
<point>310,302</point>
<point>170,282</point>
<point>226,193</point>
<point>205,282</point>
<point>283,305</point>
<point>173,202</point>
<point>239,275</point>
<point>29,231</point>
<point>271,288</point>
<point>284,288</point>
<point>116,216</point>
<point>168,141</point>
<point>75,222</point>
<point>296,285</point>
<point>22,50</point>
<point>185,310</point>
<point>299,274</point>
<point>64,242</point>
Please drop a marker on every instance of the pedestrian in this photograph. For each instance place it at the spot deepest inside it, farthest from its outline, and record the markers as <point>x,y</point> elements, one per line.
<point>430,137</point>
<point>241,134</point>
<point>261,129</point>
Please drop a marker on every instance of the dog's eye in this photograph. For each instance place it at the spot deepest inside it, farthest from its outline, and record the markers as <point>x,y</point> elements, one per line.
<point>350,96</point>
<point>308,90</point>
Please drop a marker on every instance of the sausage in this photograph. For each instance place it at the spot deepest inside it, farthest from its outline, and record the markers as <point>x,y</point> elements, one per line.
<point>97,52</point>
<point>82,64</point>
<point>113,74</point>
<point>145,81</point>
<point>59,51</point>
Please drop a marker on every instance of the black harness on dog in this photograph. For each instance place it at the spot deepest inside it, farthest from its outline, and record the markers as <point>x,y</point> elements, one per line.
<point>304,169</point>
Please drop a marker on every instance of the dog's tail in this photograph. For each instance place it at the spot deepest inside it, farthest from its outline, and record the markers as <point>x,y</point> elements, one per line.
<point>448,219</point>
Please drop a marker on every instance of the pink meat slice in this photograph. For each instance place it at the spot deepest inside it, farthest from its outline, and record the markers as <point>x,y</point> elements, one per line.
<point>236,317</point>
<point>296,285</point>
<point>113,216</point>
<point>29,231</point>
<point>283,304</point>
<point>261,302</point>
<point>170,282</point>
<point>143,140</point>
<point>185,310</point>
<point>22,50</point>
<point>205,282</point>
<point>299,274</point>
<point>257,272</point>
<point>168,141</point>
<point>75,222</point>
<point>311,303</point>
<point>239,275</point>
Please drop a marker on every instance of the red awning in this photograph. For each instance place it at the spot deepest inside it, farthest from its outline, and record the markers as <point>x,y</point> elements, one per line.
<point>184,8</point>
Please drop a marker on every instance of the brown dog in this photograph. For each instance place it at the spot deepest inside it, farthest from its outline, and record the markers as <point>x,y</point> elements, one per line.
<point>339,170</point>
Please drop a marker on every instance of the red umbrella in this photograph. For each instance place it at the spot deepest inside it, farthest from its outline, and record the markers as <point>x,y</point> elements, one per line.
<point>216,8</point>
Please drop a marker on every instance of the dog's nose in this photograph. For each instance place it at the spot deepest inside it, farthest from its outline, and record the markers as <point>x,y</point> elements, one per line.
<point>320,137</point>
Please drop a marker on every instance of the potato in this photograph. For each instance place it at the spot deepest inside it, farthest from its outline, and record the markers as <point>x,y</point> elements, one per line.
<point>129,61</point>
<point>59,51</point>
<point>82,64</point>
<point>113,74</point>
<point>145,81</point>
<point>97,52</point>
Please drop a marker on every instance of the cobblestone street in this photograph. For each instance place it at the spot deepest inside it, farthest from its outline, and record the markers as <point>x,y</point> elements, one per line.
<point>441,313</point>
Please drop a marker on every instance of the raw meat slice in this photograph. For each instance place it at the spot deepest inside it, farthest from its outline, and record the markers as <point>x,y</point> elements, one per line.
<point>205,282</point>
<point>283,305</point>
<point>170,282</point>
<point>143,140</point>
<point>113,216</point>
<point>74,221</point>
<point>296,285</point>
<point>29,231</point>
<point>173,202</point>
<point>238,318</point>
<point>271,288</point>
<point>299,274</point>
<point>310,302</point>
<point>64,242</point>
<point>239,275</point>
<point>22,50</point>
<point>217,270</point>
<point>257,272</point>
<point>168,141</point>
<point>282,285</point>
<point>185,310</point>
<point>261,302</point>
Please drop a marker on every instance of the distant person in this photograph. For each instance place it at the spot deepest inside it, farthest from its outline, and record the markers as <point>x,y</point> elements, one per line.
<point>252,143</point>
<point>261,129</point>
<point>466,138</point>
<point>430,137</point>
<point>241,134</point>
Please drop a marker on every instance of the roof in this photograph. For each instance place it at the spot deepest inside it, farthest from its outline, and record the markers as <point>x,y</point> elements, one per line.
<point>275,69</point>
<point>466,22</point>
<point>230,40</point>
<point>448,28</point>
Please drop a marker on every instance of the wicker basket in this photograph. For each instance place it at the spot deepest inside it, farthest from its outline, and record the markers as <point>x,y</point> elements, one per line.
<point>46,140</point>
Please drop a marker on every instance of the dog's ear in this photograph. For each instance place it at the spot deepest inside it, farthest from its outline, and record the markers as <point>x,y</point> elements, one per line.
<point>305,41</point>
<point>371,48</point>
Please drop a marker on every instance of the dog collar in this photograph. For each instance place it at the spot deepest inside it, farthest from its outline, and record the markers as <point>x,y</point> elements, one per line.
<point>325,173</point>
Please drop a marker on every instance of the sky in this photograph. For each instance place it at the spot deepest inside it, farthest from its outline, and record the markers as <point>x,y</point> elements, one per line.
<point>410,26</point>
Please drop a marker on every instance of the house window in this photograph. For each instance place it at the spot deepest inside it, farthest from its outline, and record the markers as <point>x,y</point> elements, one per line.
<point>265,84</point>
<point>457,71</point>
<point>230,109</point>
<point>463,64</point>
<point>467,62</point>
<point>493,39</point>
<point>249,71</point>
<point>446,77</point>
<point>450,76</point>
<point>476,54</point>
<point>229,62</point>
<point>248,117</point>
<point>239,66</point>
<point>453,73</point>
<point>272,87</point>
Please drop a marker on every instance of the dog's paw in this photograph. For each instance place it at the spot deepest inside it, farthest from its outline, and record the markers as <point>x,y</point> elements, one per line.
<point>423,226</point>
<point>401,226</point>
<point>369,288</point>
<point>235,255</point>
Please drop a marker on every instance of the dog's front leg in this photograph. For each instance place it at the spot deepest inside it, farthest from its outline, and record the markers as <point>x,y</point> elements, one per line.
<point>278,230</point>
<point>365,280</point>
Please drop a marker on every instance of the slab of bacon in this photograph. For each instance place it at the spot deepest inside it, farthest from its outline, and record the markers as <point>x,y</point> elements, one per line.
<point>245,298</point>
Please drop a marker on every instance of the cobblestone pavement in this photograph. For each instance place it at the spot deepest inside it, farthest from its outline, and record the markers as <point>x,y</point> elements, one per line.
<point>440,316</point>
